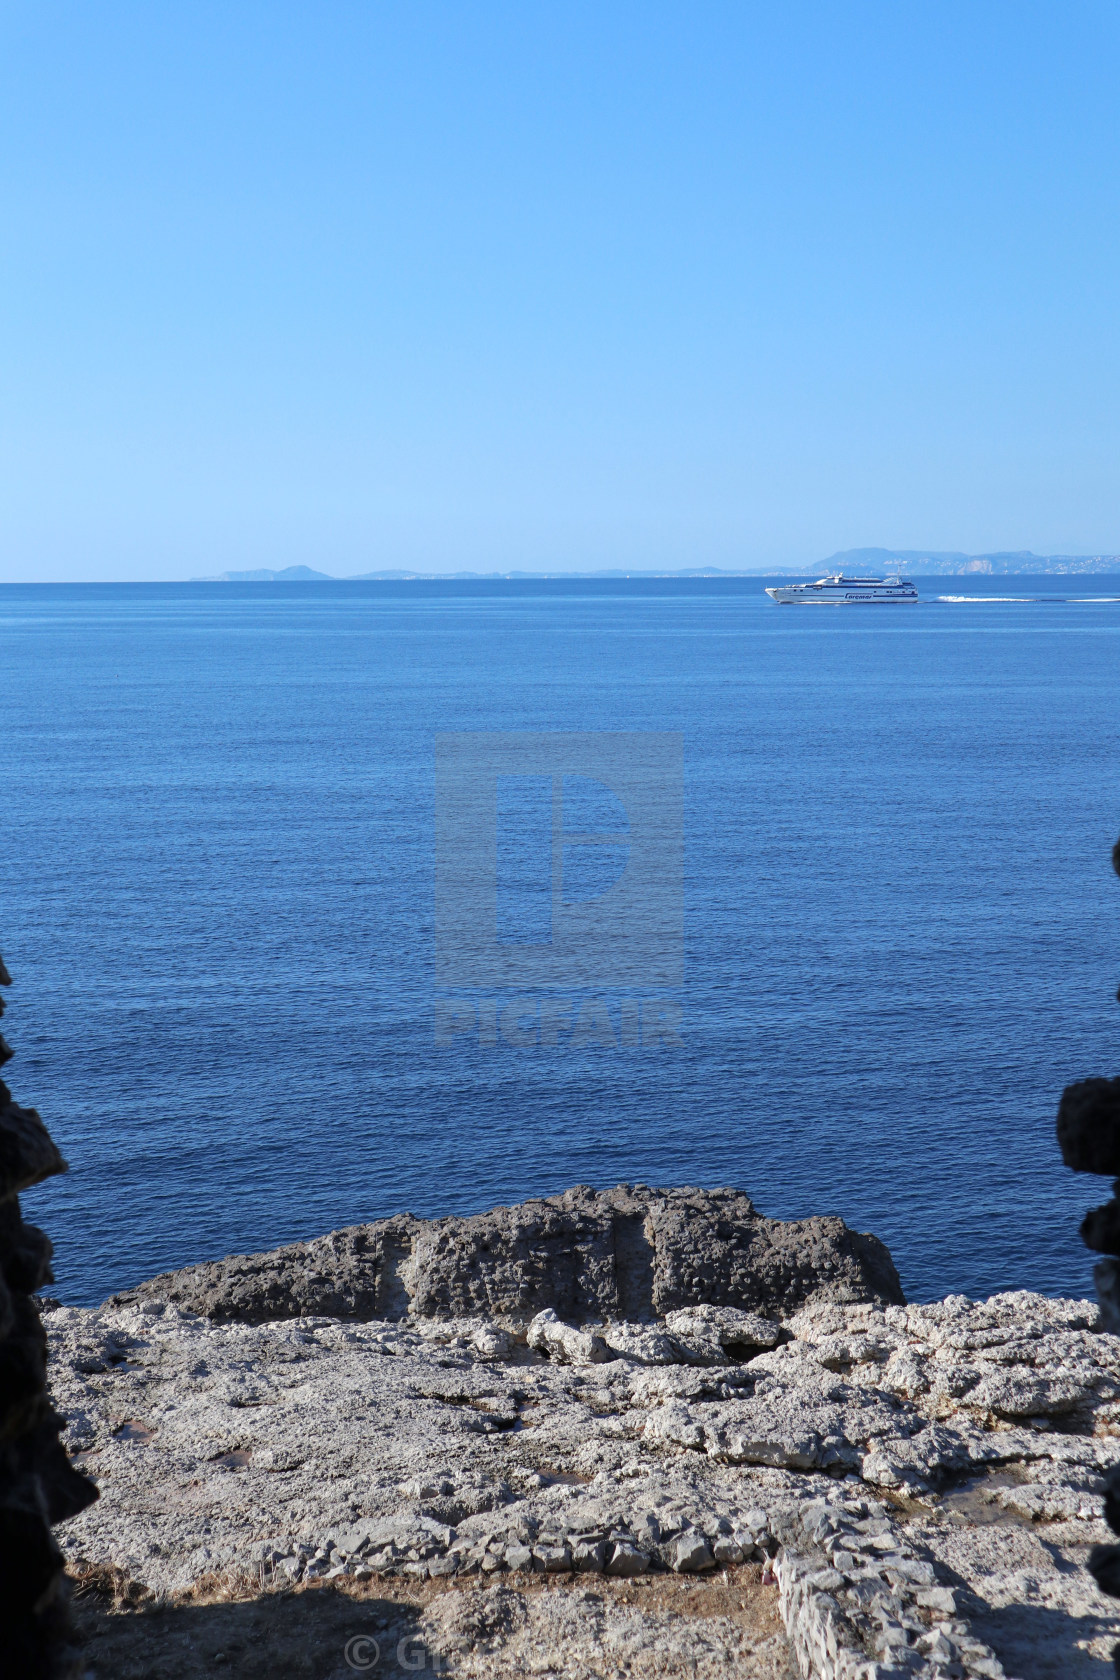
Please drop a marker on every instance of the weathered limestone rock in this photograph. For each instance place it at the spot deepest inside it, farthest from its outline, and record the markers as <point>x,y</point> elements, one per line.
<point>38,1484</point>
<point>631,1253</point>
<point>922,1478</point>
<point>549,1335</point>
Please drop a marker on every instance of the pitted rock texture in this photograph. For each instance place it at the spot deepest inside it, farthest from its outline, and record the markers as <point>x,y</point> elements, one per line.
<point>925,1479</point>
<point>630,1254</point>
<point>38,1483</point>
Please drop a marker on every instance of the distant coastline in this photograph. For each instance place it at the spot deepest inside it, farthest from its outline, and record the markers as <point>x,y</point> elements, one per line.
<point>924,562</point>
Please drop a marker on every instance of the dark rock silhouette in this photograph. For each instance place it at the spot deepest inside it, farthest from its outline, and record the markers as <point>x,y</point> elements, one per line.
<point>1089,1126</point>
<point>1100,1228</point>
<point>1088,1130</point>
<point>38,1484</point>
<point>628,1253</point>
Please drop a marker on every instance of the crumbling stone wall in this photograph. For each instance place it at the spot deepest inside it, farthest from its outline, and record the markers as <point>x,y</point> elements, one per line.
<point>38,1484</point>
<point>1089,1138</point>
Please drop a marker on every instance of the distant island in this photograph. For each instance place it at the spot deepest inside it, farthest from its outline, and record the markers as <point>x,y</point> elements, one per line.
<point>925,562</point>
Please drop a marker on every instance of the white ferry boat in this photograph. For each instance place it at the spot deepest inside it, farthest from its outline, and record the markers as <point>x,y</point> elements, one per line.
<point>840,590</point>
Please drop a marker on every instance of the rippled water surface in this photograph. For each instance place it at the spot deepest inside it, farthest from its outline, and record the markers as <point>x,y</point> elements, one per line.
<point>902,933</point>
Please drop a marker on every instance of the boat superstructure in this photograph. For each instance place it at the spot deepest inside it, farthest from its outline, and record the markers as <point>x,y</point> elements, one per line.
<point>839,590</point>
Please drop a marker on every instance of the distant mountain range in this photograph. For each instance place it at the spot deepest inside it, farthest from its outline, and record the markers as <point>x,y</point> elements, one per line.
<point>923,562</point>
<point>932,562</point>
<point>305,574</point>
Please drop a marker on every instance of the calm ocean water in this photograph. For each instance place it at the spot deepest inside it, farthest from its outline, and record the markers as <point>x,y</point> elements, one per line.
<point>902,933</point>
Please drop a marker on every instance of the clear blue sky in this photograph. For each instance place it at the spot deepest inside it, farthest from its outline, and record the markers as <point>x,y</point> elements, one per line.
<point>540,285</point>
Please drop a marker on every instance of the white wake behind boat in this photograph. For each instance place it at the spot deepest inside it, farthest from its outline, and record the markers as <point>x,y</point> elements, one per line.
<point>839,590</point>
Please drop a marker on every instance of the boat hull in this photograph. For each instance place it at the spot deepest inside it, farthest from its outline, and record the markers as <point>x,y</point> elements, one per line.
<point>842,597</point>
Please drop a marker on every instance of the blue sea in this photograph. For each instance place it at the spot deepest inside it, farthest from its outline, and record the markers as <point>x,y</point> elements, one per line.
<point>901,929</point>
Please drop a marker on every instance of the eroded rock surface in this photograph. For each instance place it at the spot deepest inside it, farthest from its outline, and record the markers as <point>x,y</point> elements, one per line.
<point>923,1478</point>
<point>631,1253</point>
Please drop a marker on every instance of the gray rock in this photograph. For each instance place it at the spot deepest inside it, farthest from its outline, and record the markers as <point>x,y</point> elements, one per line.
<point>386,1469</point>
<point>709,1335</point>
<point>626,1559</point>
<point>350,1274</point>
<point>562,1342</point>
<point>644,1344</point>
<point>691,1554</point>
<point>553,1560</point>
<point>631,1253</point>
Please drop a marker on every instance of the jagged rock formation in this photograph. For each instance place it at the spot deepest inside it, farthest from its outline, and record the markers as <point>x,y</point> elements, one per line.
<point>38,1485</point>
<point>630,1253</point>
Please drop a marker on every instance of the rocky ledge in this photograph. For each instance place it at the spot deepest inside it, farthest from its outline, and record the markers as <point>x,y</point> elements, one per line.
<point>629,1253</point>
<point>917,1485</point>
